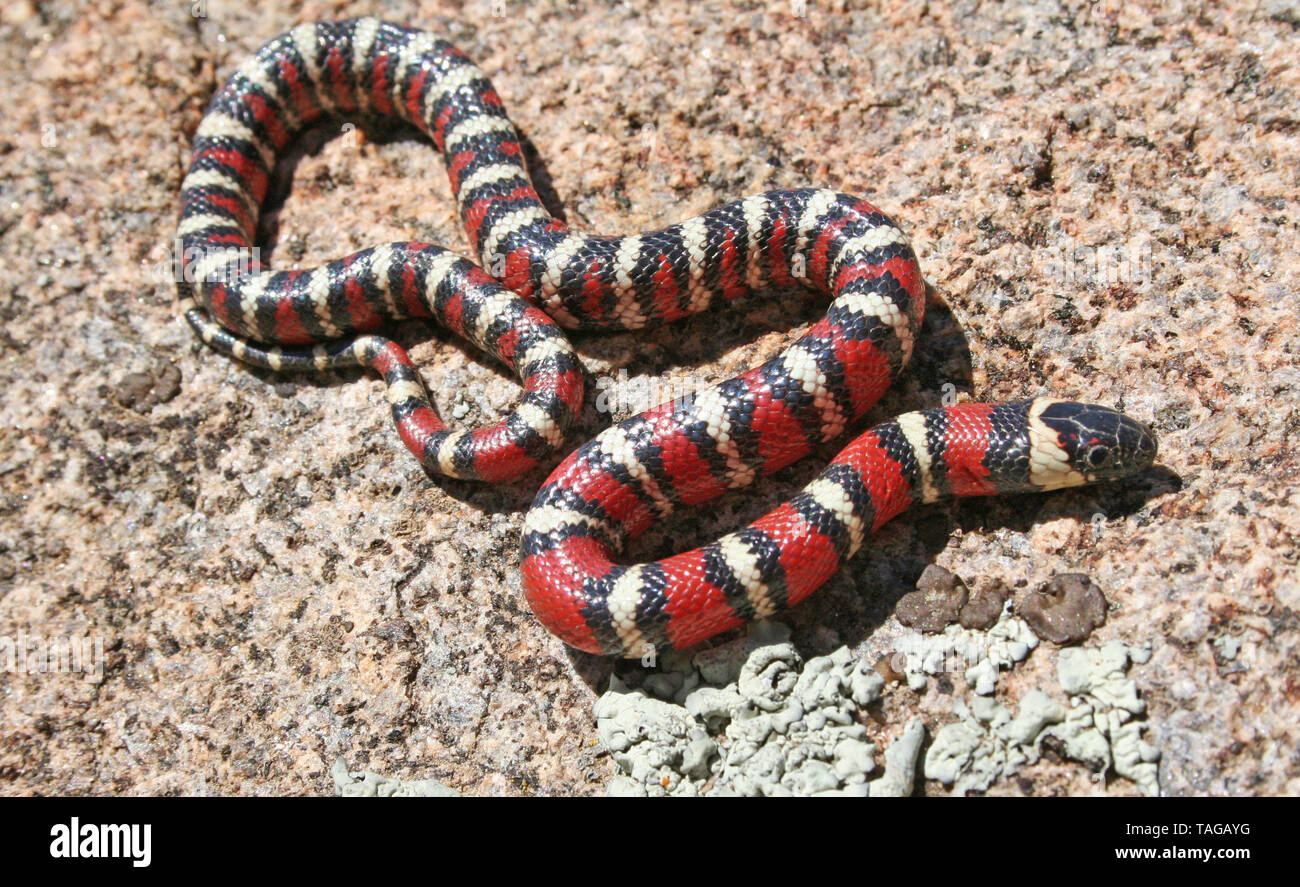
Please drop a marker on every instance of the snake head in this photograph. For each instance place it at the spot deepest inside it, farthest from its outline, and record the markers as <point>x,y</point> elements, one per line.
<point>1079,443</point>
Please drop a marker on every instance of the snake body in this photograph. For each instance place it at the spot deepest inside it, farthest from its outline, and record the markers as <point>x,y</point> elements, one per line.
<point>544,276</point>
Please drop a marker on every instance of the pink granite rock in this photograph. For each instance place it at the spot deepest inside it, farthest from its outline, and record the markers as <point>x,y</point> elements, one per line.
<point>1104,196</point>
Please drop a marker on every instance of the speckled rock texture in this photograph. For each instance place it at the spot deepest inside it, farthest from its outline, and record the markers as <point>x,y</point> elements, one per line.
<point>1103,195</point>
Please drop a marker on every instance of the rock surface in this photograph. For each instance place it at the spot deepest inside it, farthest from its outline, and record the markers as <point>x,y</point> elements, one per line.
<point>1104,197</point>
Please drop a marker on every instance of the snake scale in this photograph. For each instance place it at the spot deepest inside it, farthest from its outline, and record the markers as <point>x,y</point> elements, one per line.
<point>547,277</point>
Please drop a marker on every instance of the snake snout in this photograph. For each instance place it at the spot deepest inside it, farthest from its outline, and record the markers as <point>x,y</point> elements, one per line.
<point>1097,443</point>
<point>1137,444</point>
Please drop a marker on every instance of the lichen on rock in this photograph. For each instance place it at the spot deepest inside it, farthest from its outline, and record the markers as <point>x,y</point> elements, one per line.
<point>752,718</point>
<point>1099,729</point>
<point>980,655</point>
<point>373,785</point>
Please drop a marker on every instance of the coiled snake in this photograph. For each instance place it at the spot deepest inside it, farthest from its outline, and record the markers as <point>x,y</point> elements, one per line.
<point>546,276</point>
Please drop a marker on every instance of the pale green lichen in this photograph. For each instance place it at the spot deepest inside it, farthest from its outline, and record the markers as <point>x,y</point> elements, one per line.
<point>1099,729</point>
<point>1103,720</point>
<point>988,742</point>
<point>751,718</point>
<point>900,763</point>
<point>372,785</point>
<point>980,655</point>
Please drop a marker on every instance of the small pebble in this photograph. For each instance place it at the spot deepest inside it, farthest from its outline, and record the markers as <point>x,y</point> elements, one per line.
<point>935,604</point>
<point>143,391</point>
<point>1066,611</point>
<point>885,668</point>
<point>984,606</point>
<point>134,389</point>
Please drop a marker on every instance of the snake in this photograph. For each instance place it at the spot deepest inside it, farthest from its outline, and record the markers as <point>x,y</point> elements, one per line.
<point>537,277</point>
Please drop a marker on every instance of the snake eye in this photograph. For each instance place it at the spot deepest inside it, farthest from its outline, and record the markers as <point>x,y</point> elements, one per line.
<point>1097,456</point>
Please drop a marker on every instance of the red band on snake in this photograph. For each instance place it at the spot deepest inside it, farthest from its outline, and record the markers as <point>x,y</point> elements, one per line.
<point>548,276</point>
